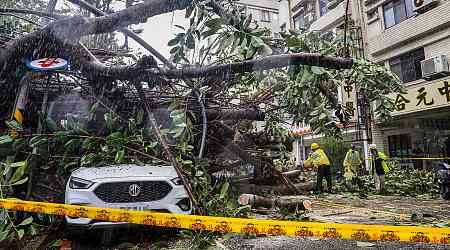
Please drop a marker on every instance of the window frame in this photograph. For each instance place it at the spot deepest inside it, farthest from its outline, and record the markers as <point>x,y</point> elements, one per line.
<point>406,6</point>
<point>400,145</point>
<point>403,64</point>
<point>266,16</point>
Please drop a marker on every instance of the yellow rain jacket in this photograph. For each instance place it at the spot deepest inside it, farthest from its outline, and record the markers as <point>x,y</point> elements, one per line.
<point>317,158</point>
<point>383,158</point>
<point>351,163</point>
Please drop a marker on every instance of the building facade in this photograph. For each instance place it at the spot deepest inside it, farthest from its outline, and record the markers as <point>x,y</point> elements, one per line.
<point>265,13</point>
<point>325,15</point>
<point>405,35</point>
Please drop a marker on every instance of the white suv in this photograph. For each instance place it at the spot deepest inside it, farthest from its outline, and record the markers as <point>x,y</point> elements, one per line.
<point>132,187</point>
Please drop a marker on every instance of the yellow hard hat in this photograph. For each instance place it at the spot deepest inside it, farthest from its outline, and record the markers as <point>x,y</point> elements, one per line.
<point>315,146</point>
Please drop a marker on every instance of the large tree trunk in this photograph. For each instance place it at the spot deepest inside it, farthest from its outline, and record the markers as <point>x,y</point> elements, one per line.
<point>301,188</point>
<point>256,201</point>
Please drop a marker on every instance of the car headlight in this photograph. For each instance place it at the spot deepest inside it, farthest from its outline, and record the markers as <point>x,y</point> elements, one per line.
<point>78,183</point>
<point>177,181</point>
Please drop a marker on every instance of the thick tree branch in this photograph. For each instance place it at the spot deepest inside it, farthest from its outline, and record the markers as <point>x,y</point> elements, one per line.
<point>264,63</point>
<point>240,114</point>
<point>32,12</point>
<point>125,31</point>
<point>70,30</point>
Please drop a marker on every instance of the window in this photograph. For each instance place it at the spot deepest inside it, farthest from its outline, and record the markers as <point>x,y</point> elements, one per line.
<point>397,11</point>
<point>265,16</point>
<point>407,66</point>
<point>323,7</point>
<point>400,145</point>
<point>299,21</point>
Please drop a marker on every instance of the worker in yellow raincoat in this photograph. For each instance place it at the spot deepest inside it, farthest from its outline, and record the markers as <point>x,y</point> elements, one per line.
<point>319,160</point>
<point>352,163</point>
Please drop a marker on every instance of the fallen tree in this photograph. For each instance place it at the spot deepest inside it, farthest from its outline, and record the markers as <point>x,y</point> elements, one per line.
<point>201,122</point>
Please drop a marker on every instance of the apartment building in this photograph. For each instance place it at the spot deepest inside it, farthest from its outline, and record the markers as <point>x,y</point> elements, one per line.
<point>325,15</point>
<point>265,13</point>
<point>412,38</point>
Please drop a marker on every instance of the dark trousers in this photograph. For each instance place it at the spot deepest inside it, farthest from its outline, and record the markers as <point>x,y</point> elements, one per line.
<point>323,171</point>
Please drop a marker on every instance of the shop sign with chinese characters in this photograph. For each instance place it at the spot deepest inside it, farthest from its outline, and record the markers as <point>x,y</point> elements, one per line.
<point>349,100</point>
<point>420,98</point>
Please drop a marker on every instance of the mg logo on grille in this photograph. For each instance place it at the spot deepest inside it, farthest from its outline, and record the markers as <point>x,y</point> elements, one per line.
<point>134,190</point>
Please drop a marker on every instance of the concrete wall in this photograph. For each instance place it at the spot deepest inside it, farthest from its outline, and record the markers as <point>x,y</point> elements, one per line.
<point>268,5</point>
<point>273,4</point>
<point>331,19</point>
<point>424,29</point>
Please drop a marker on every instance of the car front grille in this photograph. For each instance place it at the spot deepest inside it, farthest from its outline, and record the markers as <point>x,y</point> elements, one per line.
<point>119,192</point>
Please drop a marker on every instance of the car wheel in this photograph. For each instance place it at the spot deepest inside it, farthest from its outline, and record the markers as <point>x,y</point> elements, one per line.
<point>106,237</point>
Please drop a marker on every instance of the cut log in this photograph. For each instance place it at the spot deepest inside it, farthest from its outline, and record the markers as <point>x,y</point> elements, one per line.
<point>260,201</point>
<point>302,188</point>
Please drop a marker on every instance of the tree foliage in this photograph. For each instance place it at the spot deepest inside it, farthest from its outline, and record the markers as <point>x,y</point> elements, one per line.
<point>218,34</point>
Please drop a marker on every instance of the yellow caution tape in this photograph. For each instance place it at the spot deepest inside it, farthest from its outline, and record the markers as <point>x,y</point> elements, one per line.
<point>415,158</point>
<point>238,225</point>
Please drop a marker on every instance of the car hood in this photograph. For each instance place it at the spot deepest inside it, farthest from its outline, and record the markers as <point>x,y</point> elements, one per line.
<point>122,171</point>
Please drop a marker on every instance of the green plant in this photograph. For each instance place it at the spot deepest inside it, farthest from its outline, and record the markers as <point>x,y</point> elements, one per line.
<point>336,150</point>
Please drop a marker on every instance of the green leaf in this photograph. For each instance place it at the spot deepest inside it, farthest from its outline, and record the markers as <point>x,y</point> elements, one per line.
<point>27,221</point>
<point>318,70</point>
<point>18,174</point>
<point>173,42</point>
<point>114,139</point>
<point>174,50</point>
<point>190,41</point>
<point>179,26</point>
<point>33,230</point>
<point>38,140</point>
<point>214,24</point>
<point>4,235</point>
<point>20,233</point>
<point>56,243</point>
<point>24,180</point>
<point>89,143</point>
<point>18,164</point>
<point>119,156</point>
<point>140,116</point>
<point>224,190</point>
<point>88,159</point>
<point>12,124</point>
<point>257,42</point>
<point>5,139</point>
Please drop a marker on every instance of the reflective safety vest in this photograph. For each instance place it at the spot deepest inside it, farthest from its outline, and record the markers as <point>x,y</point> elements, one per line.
<point>352,158</point>
<point>318,158</point>
<point>383,158</point>
<point>351,163</point>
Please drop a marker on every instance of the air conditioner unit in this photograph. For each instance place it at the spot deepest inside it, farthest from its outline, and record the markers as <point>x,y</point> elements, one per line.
<point>420,6</point>
<point>435,67</point>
